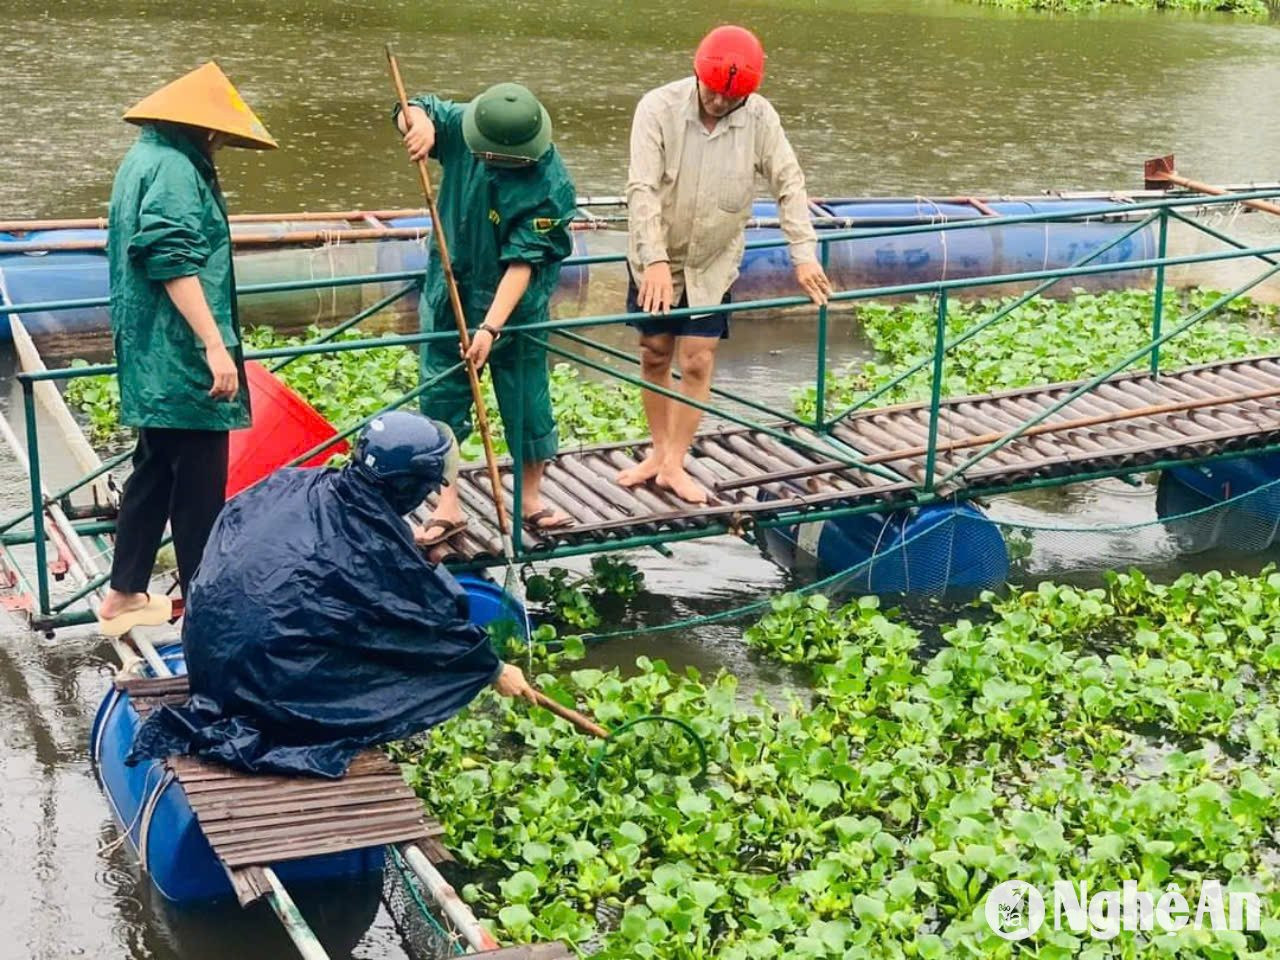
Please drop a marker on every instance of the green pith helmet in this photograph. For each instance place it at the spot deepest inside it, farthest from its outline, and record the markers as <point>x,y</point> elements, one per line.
<point>506,126</point>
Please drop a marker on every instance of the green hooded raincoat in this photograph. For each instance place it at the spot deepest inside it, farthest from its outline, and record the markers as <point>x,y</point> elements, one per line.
<point>168,219</point>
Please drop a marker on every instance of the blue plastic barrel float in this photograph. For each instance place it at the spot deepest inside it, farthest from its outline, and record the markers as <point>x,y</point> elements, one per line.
<point>55,275</point>
<point>411,255</point>
<point>1192,503</point>
<point>933,255</point>
<point>163,832</point>
<point>931,551</point>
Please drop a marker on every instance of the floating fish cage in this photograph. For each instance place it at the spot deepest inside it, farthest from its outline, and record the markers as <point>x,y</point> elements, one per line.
<point>70,263</point>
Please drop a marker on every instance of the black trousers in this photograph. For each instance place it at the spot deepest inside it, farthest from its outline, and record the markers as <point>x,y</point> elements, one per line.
<point>179,477</point>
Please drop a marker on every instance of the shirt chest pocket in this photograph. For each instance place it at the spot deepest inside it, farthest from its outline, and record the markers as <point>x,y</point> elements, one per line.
<point>735,170</point>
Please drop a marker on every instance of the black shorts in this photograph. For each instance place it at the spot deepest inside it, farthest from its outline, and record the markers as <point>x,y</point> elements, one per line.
<point>707,325</point>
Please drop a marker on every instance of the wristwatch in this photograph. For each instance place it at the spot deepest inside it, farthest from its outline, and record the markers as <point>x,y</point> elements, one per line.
<point>490,331</point>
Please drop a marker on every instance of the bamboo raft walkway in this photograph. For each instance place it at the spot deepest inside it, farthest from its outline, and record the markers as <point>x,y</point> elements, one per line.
<point>1123,425</point>
<point>253,821</point>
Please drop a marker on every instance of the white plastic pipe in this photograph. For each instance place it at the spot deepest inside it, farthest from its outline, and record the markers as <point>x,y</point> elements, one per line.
<point>447,899</point>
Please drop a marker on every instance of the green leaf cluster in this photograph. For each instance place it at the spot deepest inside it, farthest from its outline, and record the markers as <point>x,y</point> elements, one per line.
<point>348,386</point>
<point>1254,9</point>
<point>574,601</point>
<point>1126,732</point>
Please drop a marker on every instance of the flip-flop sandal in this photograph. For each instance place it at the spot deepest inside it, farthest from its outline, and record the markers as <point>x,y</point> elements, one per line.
<point>156,612</point>
<point>447,529</point>
<point>533,522</point>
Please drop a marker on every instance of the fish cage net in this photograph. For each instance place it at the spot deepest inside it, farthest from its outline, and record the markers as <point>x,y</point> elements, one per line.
<point>1175,528</point>
<point>424,934</point>
<point>1017,540</point>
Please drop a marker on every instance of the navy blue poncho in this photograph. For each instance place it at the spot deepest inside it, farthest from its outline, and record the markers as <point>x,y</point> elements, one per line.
<point>315,628</point>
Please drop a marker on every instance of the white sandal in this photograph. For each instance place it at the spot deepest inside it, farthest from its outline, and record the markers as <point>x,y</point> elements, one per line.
<point>156,612</point>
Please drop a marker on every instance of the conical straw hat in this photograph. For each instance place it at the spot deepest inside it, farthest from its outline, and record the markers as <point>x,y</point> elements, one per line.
<point>205,98</point>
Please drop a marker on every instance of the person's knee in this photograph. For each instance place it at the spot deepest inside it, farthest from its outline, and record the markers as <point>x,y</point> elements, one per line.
<point>697,361</point>
<point>655,356</point>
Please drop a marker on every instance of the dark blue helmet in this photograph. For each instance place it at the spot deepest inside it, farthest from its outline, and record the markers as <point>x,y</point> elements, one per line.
<point>407,456</point>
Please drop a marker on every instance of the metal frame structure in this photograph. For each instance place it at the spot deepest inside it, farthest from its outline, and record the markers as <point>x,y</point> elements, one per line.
<point>48,614</point>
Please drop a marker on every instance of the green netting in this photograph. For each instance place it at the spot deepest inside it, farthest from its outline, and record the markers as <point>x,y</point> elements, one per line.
<point>1245,523</point>
<point>423,935</point>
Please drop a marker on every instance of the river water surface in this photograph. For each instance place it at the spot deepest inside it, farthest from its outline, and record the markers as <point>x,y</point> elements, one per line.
<point>880,97</point>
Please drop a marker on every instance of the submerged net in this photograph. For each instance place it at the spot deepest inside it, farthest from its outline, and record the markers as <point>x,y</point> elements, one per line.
<point>965,550</point>
<point>424,935</point>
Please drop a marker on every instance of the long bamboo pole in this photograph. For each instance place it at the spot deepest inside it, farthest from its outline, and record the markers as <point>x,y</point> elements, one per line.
<point>446,265</point>
<point>477,937</point>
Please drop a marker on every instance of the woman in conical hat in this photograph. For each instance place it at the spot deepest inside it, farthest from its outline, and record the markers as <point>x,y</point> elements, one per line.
<point>177,336</point>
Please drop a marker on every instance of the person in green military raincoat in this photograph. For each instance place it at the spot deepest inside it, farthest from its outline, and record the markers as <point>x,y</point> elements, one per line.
<point>177,336</point>
<point>506,203</point>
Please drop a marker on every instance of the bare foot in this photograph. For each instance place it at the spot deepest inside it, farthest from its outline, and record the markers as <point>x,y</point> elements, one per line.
<point>642,472</point>
<point>116,603</point>
<point>682,485</point>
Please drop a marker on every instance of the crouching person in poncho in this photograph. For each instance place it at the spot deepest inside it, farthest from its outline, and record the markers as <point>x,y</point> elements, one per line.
<point>315,627</point>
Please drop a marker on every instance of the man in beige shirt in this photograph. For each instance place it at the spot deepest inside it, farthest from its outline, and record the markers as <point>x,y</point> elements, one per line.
<point>696,147</point>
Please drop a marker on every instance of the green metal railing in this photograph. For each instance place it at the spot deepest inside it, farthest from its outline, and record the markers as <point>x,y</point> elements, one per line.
<point>823,443</point>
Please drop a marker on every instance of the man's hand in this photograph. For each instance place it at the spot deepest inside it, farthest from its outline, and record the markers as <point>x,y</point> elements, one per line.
<point>656,289</point>
<point>481,344</point>
<point>511,683</point>
<point>421,135</point>
<point>813,281</point>
<point>226,378</point>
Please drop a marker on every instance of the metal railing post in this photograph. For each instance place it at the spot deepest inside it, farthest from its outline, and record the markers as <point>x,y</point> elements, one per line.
<point>515,444</point>
<point>1157,313</point>
<point>935,400</point>
<point>820,406</point>
<point>37,495</point>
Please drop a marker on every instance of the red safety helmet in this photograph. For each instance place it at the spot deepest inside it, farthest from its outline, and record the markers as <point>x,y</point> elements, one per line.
<point>730,60</point>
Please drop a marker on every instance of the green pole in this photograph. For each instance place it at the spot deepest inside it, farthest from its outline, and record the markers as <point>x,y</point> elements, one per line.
<point>999,315</point>
<point>515,444</point>
<point>633,360</point>
<point>820,407</point>
<point>84,529</point>
<point>1157,313</point>
<point>935,400</point>
<point>1218,235</point>
<point>1089,385</point>
<point>37,496</point>
<point>831,448</point>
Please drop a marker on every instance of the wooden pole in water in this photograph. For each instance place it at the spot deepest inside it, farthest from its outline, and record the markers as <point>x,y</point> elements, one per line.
<point>1159,170</point>
<point>291,917</point>
<point>582,722</point>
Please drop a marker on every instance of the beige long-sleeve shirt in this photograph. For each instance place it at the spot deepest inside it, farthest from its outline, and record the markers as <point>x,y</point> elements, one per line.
<point>689,190</point>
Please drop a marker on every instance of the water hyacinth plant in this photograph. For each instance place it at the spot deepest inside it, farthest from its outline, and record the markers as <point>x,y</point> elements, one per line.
<point>348,386</point>
<point>1123,733</point>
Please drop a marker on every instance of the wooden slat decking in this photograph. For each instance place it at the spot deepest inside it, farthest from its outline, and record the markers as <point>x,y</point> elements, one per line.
<point>581,482</point>
<point>254,820</point>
